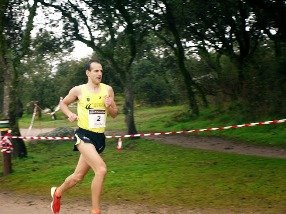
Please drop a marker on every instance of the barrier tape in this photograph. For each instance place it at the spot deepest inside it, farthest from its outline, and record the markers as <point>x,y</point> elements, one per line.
<point>6,145</point>
<point>161,133</point>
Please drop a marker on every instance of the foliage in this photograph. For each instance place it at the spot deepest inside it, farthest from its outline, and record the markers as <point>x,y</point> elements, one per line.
<point>231,43</point>
<point>47,44</point>
<point>156,84</point>
<point>153,90</point>
<point>36,84</point>
<point>69,74</point>
<point>264,90</point>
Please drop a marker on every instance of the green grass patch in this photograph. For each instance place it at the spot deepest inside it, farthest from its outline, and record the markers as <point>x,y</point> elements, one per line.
<point>155,174</point>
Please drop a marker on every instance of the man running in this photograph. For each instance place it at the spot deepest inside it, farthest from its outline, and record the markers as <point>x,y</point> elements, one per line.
<point>95,101</point>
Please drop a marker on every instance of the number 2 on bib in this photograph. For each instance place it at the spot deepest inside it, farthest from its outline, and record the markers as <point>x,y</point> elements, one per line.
<point>96,118</point>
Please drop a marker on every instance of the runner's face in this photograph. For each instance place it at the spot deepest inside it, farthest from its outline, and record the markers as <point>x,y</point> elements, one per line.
<point>95,73</point>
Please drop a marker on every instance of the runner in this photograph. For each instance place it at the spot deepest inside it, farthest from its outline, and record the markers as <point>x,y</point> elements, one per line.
<point>95,101</point>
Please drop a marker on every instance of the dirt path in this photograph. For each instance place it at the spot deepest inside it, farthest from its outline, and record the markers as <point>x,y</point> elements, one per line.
<point>11,203</point>
<point>23,204</point>
<point>222,145</point>
<point>34,132</point>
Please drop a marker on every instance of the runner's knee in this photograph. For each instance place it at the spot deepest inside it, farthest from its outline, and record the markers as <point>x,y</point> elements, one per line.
<point>101,170</point>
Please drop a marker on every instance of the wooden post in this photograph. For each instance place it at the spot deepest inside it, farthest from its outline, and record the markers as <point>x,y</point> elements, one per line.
<point>7,163</point>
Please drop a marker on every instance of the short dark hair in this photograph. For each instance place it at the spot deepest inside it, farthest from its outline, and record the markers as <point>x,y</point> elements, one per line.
<point>87,65</point>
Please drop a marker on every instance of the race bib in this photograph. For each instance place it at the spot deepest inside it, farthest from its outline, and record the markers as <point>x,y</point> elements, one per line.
<point>96,118</point>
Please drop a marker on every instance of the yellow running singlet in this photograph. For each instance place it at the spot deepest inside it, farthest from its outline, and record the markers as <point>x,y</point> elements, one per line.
<point>91,110</point>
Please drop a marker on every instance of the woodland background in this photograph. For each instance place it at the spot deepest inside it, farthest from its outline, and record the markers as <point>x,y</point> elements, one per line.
<point>230,54</point>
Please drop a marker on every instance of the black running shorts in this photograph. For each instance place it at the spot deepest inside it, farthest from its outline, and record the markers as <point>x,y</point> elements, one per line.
<point>97,139</point>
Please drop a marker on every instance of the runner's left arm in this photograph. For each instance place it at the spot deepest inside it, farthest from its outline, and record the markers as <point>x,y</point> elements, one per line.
<point>110,103</point>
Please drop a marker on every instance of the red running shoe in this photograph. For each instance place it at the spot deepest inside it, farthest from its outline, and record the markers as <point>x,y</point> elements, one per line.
<point>56,203</point>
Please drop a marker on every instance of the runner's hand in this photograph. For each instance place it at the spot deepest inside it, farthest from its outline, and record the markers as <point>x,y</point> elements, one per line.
<point>72,117</point>
<point>108,101</point>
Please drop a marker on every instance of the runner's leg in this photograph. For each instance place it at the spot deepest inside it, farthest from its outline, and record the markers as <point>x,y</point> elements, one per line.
<point>97,164</point>
<point>79,173</point>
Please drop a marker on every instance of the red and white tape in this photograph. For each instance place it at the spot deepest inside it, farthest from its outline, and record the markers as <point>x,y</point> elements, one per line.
<point>6,145</point>
<point>161,133</point>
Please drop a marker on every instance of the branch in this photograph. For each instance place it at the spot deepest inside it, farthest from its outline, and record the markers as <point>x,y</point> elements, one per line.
<point>83,17</point>
<point>27,35</point>
<point>73,20</point>
<point>130,32</point>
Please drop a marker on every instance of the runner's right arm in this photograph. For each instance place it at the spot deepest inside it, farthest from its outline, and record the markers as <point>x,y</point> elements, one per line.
<point>70,98</point>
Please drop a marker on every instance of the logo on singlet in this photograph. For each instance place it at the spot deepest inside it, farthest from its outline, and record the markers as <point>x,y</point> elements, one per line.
<point>88,106</point>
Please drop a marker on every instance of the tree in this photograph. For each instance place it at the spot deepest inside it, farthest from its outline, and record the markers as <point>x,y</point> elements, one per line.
<point>15,41</point>
<point>114,31</point>
<point>241,30</point>
<point>168,28</point>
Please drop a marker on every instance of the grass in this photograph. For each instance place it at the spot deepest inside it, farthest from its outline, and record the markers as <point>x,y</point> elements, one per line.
<point>152,173</point>
<point>175,118</point>
<point>155,174</point>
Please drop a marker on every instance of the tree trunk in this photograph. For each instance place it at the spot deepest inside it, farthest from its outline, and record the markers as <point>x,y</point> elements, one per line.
<point>2,69</point>
<point>189,85</point>
<point>180,54</point>
<point>16,112</point>
<point>3,47</point>
<point>6,87</point>
<point>7,163</point>
<point>15,108</point>
<point>129,108</point>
